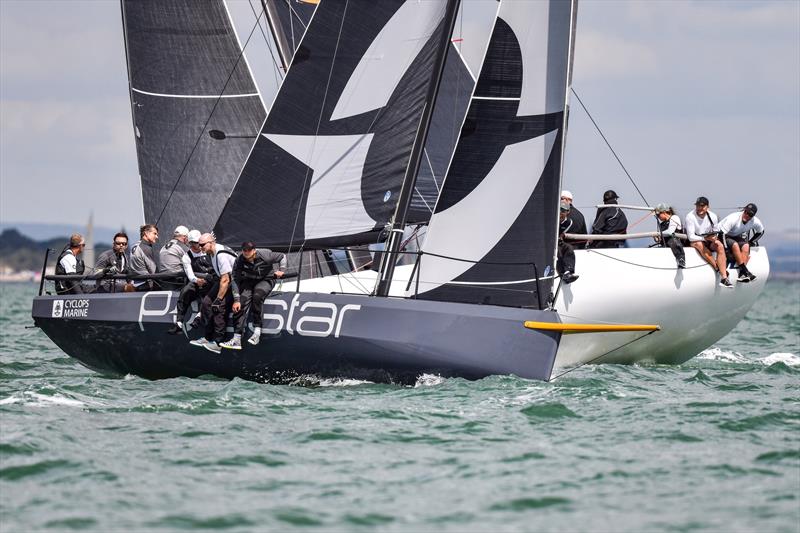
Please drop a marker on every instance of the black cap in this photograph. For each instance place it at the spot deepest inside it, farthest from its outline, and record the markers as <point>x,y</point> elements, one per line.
<point>751,209</point>
<point>701,200</point>
<point>609,195</point>
<point>248,245</point>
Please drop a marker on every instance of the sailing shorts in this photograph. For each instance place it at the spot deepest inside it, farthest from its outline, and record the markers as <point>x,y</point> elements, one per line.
<point>730,240</point>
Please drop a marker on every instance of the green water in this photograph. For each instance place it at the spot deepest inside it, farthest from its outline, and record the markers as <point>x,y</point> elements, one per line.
<point>711,445</point>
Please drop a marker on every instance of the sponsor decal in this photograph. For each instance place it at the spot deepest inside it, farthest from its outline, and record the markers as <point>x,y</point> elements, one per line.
<point>78,308</point>
<point>312,319</point>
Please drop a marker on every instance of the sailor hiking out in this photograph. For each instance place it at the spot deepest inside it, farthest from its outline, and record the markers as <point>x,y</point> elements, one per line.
<point>219,300</point>
<point>668,225</point>
<point>143,257</point>
<point>253,279</point>
<point>68,262</point>
<point>170,258</point>
<point>194,262</point>
<point>701,230</point>
<point>735,229</point>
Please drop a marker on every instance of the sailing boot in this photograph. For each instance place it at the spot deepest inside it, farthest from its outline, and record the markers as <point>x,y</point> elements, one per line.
<point>255,338</point>
<point>745,275</point>
<point>212,347</point>
<point>234,344</point>
<point>725,282</point>
<point>568,277</point>
<point>202,341</point>
<point>681,263</point>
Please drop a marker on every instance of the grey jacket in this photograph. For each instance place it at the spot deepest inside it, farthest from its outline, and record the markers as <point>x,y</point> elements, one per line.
<point>143,260</point>
<point>169,258</point>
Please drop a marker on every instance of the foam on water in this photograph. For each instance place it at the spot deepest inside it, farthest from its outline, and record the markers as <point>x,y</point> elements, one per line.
<point>788,359</point>
<point>429,380</point>
<point>34,399</point>
<point>718,354</point>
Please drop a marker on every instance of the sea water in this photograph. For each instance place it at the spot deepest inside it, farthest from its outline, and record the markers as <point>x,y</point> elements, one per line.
<point>710,445</point>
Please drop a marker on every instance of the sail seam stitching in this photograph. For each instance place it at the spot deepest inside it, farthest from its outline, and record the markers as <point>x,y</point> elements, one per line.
<point>215,96</point>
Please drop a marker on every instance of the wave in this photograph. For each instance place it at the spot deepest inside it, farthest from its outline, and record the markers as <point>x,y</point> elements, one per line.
<point>429,380</point>
<point>34,399</point>
<point>718,354</point>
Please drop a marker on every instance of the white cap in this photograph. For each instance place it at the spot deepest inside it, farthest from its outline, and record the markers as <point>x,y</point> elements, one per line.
<point>566,194</point>
<point>181,230</point>
<point>194,236</point>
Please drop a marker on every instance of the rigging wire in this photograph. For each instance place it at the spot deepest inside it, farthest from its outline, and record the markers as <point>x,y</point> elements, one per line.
<point>590,361</point>
<point>278,68</point>
<point>205,125</point>
<point>609,146</point>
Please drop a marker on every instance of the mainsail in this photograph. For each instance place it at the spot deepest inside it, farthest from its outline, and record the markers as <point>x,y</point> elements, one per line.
<point>494,228</point>
<point>333,151</point>
<point>188,77</point>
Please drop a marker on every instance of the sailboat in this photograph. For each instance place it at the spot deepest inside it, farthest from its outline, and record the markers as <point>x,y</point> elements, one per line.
<point>335,164</point>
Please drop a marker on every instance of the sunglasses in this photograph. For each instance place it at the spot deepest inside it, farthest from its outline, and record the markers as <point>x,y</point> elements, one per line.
<point>203,243</point>
<point>120,244</point>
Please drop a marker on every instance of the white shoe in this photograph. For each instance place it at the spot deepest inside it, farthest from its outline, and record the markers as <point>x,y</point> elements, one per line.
<point>254,339</point>
<point>234,344</point>
<point>202,341</point>
<point>212,347</point>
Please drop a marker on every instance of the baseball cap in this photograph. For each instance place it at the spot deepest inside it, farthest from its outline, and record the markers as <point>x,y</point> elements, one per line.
<point>609,195</point>
<point>181,230</point>
<point>661,208</point>
<point>701,200</point>
<point>248,245</point>
<point>194,236</point>
<point>751,209</point>
<point>566,194</point>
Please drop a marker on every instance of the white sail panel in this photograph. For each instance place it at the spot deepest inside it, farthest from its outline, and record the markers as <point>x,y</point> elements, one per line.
<point>503,194</point>
<point>388,57</point>
<point>334,205</point>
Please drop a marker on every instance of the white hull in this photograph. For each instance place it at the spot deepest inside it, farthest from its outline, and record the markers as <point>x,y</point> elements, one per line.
<point>642,286</point>
<point>628,286</point>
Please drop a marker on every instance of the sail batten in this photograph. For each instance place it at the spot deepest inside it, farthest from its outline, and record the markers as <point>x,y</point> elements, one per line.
<point>188,77</point>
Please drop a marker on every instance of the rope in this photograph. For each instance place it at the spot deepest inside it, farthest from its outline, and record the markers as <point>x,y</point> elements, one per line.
<point>599,356</point>
<point>609,146</point>
<point>642,266</point>
<point>202,131</point>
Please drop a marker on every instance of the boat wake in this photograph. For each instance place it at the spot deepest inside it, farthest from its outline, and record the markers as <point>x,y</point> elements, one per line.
<point>717,354</point>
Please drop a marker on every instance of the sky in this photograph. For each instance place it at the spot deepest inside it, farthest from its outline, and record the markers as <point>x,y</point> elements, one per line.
<point>696,97</point>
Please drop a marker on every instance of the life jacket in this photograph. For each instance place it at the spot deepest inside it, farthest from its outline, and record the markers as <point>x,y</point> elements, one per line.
<point>201,263</point>
<point>223,250</point>
<point>61,286</point>
<point>256,271</point>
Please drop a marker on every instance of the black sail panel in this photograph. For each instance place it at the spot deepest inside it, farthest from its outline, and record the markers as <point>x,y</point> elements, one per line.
<point>494,228</point>
<point>188,78</point>
<point>332,154</point>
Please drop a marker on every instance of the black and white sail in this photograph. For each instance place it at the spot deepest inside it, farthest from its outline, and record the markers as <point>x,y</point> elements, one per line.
<point>497,215</point>
<point>188,77</point>
<point>333,151</point>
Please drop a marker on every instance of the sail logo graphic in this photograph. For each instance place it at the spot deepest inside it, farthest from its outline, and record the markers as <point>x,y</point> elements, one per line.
<point>70,308</point>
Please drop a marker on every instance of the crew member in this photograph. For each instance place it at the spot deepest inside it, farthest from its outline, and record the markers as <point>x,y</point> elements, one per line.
<point>565,264</point>
<point>668,224</point>
<point>701,230</point>
<point>113,261</point>
<point>254,279</point>
<point>68,262</point>
<point>217,303</point>
<point>170,258</point>
<point>143,257</point>
<point>736,228</point>
<point>195,261</point>
<point>609,221</point>
<point>576,217</point>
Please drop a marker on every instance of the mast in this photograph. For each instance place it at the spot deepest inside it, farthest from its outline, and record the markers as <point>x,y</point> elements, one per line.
<point>284,49</point>
<point>389,257</point>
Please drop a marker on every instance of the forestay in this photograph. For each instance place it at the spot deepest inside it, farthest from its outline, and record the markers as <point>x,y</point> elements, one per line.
<point>188,77</point>
<point>498,210</point>
<point>331,156</point>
